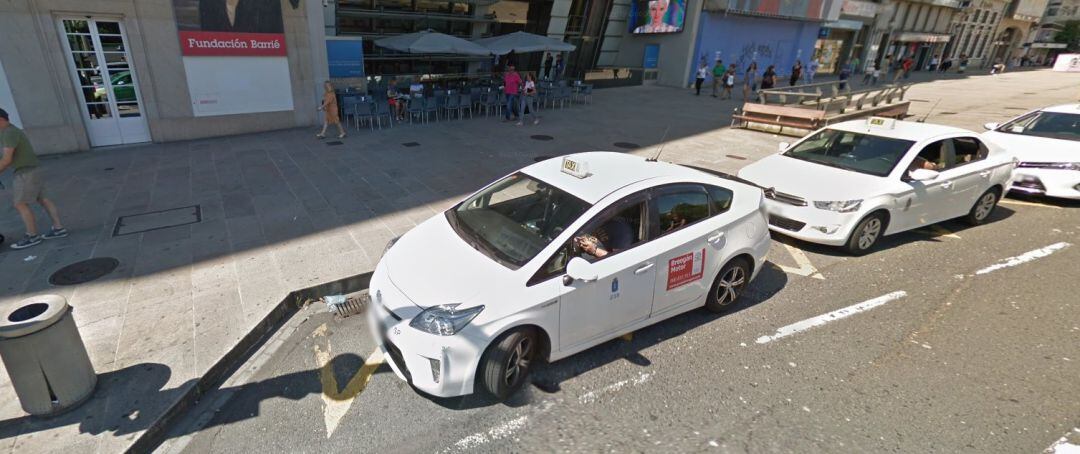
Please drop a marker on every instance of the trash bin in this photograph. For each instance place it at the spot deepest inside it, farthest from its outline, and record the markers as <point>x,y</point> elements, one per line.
<point>45,356</point>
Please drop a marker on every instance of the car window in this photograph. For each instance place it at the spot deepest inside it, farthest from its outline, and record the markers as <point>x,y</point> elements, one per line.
<point>969,149</point>
<point>1054,125</point>
<point>720,199</point>
<point>935,156</point>
<point>682,207</point>
<point>857,152</point>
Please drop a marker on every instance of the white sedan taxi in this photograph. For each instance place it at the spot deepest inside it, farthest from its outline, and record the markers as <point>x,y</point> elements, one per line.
<point>555,258</point>
<point>1047,144</point>
<point>850,183</point>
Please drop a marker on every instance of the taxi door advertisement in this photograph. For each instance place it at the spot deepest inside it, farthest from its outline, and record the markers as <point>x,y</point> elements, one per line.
<point>685,269</point>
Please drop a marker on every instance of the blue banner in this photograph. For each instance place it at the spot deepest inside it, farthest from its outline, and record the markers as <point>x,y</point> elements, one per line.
<point>652,56</point>
<point>345,57</point>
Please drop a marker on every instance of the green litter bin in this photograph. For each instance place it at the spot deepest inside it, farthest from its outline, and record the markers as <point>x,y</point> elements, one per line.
<point>45,356</point>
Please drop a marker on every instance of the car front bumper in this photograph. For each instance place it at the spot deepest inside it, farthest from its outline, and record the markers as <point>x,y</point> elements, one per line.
<point>442,366</point>
<point>1047,182</point>
<point>810,224</point>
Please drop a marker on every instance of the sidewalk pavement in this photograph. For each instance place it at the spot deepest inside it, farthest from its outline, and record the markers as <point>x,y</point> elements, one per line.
<point>282,211</point>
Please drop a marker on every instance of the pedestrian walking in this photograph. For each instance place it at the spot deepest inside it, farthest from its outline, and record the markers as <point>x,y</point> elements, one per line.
<point>702,72</point>
<point>963,64</point>
<point>875,74</point>
<point>718,71</point>
<point>934,61</point>
<point>889,65</point>
<point>855,65</point>
<point>845,73</point>
<point>528,100</point>
<point>796,72</point>
<point>907,65</point>
<point>945,65</point>
<point>29,185</point>
<point>548,61</point>
<point>811,70</point>
<point>768,78</point>
<point>559,66</point>
<point>749,81</point>
<point>868,75</point>
<point>729,81</point>
<point>330,111</point>
<point>511,88</point>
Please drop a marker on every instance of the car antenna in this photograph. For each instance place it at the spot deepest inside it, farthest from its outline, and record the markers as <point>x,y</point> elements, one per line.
<point>661,149</point>
<point>923,119</point>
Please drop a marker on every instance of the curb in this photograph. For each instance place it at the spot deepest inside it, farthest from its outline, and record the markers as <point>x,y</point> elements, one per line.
<point>154,435</point>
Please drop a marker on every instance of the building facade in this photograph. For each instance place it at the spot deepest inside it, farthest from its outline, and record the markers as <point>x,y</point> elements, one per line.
<point>1017,30</point>
<point>916,29</point>
<point>976,32</point>
<point>1043,47</point>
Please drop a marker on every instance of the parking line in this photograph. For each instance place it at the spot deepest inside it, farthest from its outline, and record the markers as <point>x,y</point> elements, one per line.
<point>336,402</point>
<point>1030,204</point>
<point>938,230</point>
<point>838,314</point>
<point>805,267</point>
<point>1024,258</point>
<point>1063,445</point>
<point>592,396</point>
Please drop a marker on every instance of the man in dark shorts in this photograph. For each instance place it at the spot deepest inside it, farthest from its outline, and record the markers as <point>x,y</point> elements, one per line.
<point>29,185</point>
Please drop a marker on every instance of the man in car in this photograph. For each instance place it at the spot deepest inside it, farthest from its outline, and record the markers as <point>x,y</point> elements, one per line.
<point>618,233</point>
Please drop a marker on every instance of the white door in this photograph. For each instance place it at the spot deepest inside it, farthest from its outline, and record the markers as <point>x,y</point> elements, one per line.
<point>930,201</point>
<point>687,263</point>
<point>623,293</point>
<point>972,172</point>
<point>108,89</point>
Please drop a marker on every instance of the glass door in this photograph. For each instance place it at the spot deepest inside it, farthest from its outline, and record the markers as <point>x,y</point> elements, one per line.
<point>101,69</point>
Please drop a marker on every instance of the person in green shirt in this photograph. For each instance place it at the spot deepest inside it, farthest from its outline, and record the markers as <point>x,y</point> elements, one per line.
<point>717,76</point>
<point>29,186</point>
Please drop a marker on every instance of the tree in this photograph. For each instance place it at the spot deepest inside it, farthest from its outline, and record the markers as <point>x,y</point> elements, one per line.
<point>1069,34</point>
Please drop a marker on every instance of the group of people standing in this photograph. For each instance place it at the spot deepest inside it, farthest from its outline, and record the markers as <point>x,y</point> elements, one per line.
<point>724,77</point>
<point>521,96</point>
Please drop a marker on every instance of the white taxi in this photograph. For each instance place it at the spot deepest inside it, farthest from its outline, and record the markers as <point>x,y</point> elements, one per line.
<point>850,183</point>
<point>555,258</point>
<point>1047,144</point>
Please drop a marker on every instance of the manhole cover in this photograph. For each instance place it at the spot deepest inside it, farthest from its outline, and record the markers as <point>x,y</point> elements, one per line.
<point>334,142</point>
<point>84,271</point>
<point>542,158</point>
<point>541,137</point>
<point>627,145</point>
<point>108,169</point>
<point>947,113</point>
<point>155,220</point>
<point>732,156</point>
<point>411,144</point>
<point>1030,93</point>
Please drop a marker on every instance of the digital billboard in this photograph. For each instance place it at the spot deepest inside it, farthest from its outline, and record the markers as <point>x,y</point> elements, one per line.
<point>657,16</point>
<point>803,9</point>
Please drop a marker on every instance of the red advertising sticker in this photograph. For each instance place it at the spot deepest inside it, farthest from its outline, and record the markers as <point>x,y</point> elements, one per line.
<point>685,269</point>
<point>204,43</point>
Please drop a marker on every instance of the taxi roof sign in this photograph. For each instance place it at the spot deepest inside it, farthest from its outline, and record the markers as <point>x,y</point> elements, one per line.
<point>577,169</point>
<point>881,122</point>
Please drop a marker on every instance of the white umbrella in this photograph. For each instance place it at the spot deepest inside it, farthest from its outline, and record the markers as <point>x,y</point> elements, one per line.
<point>521,42</point>
<point>431,42</point>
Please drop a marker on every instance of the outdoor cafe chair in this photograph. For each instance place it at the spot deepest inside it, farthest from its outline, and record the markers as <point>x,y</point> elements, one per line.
<point>490,101</point>
<point>382,109</point>
<point>450,105</point>
<point>364,110</point>
<point>348,103</point>
<point>585,92</point>
<point>415,108</point>
<point>464,105</point>
<point>431,106</point>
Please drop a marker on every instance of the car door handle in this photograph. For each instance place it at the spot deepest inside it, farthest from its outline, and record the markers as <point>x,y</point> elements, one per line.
<point>985,173</point>
<point>717,237</point>
<point>947,185</point>
<point>643,268</point>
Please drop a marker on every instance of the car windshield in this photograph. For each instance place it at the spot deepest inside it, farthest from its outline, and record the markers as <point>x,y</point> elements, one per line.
<point>853,151</point>
<point>514,219</point>
<point>1054,125</point>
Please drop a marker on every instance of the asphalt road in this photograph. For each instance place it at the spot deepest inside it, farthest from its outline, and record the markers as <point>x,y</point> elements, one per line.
<point>972,344</point>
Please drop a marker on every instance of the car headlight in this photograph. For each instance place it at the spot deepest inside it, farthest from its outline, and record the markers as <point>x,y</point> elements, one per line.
<point>1051,165</point>
<point>445,319</point>
<point>389,244</point>
<point>842,206</point>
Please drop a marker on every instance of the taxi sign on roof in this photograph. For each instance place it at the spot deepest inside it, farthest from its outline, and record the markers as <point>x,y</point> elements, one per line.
<point>578,169</point>
<point>879,122</point>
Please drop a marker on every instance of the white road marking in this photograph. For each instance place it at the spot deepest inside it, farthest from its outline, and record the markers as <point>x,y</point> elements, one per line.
<point>498,432</point>
<point>831,316</point>
<point>1030,204</point>
<point>1064,446</point>
<point>592,396</point>
<point>805,267</point>
<point>1024,258</point>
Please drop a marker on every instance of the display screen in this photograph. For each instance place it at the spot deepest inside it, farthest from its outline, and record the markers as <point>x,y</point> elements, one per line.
<point>657,16</point>
<point>807,9</point>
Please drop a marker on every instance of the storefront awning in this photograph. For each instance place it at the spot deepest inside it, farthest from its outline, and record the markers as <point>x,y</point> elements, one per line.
<point>843,24</point>
<point>915,37</point>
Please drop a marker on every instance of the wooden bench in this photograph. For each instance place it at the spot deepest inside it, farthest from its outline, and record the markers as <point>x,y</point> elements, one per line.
<point>782,116</point>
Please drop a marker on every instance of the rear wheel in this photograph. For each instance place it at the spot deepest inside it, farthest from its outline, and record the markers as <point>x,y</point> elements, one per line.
<point>980,212</point>
<point>506,363</point>
<point>728,285</point>
<point>866,234</point>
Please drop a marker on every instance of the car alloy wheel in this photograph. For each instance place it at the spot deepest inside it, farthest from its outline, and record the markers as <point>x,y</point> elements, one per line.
<point>986,205</point>
<point>518,360</point>
<point>730,285</point>
<point>869,233</point>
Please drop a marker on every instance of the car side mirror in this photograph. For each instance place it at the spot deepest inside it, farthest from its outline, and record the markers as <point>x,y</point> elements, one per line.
<point>924,174</point>
<point>783,146</point>
<point>581,269</point>
<point>991,126</point>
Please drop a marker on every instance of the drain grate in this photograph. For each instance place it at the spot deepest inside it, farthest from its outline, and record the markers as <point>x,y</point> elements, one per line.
<point>627,145</point>
<point>411,144</point>
<point>84,271</point>
<point>542,158</point>
<point>334,142</point>
<point>156,220</point>
<point>541,137</point>
<point>735,156</point>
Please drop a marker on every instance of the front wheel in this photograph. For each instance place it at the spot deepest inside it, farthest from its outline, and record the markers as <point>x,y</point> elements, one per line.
<point>866,234</point>
<point>506,363</point>
<point>728,285</point>
<point>980,212</point>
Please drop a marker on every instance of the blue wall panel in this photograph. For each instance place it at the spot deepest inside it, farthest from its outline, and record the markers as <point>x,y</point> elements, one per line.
<point>741,39</point>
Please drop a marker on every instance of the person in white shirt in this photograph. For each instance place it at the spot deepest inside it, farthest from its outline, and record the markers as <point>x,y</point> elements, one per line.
<point>657,10</point>
<point>702,73</point>
<point>528,99</point>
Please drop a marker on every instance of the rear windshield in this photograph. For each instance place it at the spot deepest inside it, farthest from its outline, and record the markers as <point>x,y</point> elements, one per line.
<point>1053,125</point>
<point>852,151</point>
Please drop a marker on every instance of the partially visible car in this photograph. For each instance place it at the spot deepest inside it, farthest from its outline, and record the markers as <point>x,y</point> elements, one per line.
<point>1047,144</point>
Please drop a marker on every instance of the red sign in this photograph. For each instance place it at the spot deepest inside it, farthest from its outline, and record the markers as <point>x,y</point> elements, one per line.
<point>685,269</point>
<point>201,43</point>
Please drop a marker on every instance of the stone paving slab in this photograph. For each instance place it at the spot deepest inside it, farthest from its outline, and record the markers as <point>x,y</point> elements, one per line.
<point>282,211</point>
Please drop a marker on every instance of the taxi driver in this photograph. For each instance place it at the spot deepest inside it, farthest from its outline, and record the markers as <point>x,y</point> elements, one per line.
<point>616,234</point>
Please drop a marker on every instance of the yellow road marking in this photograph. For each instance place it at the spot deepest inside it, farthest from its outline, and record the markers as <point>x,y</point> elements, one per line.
<point>337,401</point>
<point>805,267</point>
<point>1030,204</point>
<point>627,337</point>
<point>937,230</point>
